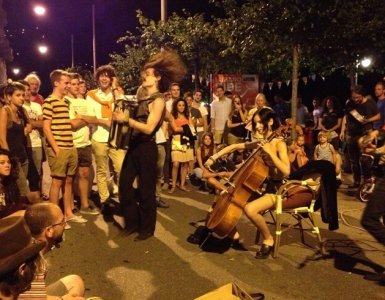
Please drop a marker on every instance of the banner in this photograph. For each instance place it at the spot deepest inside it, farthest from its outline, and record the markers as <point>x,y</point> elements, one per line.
<point>245,85</point>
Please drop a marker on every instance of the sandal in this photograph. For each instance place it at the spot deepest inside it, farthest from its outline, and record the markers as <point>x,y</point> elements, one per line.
<point>172,190</point>
<point>183,188</point>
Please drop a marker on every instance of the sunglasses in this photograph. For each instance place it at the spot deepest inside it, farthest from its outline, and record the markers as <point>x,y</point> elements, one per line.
<point>62,223</point>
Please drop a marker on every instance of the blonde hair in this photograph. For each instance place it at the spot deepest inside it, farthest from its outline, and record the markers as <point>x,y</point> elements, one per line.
<point>323,133</point>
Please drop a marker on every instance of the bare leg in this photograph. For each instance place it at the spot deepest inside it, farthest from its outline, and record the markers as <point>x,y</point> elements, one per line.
<point>183,174</point>
<point>83,186</point>
<point>74,285</point>
<point>67,197</point>
<point>55,189</point>
<point>175,167</point>
<point>253,210</point>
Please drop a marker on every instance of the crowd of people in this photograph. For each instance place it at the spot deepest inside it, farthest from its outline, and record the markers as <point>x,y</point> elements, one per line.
<point>172,138</point>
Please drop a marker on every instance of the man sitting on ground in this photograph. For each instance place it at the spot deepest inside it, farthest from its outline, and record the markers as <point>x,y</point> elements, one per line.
<point>46,222</point>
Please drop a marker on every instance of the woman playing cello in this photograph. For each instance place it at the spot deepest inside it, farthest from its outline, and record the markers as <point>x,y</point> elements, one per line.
<point>274,155</point>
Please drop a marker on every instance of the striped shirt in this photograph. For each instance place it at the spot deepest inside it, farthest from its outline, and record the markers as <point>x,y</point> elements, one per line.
<point>38,289</point>
<point>58,112</point>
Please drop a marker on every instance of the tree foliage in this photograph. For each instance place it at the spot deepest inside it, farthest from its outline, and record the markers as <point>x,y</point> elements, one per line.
<point>259,36</point>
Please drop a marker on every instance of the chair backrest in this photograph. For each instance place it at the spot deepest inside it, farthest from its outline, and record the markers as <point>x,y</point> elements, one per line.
<point>299,193</point>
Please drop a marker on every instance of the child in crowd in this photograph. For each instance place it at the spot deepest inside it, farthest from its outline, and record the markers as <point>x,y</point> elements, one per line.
<point>325,151</point>
<point>297,154</point>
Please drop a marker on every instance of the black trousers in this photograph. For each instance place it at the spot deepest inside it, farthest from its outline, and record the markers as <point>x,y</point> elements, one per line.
<point>139,205</point>
<point>354,155</point>
<point>374,211</point>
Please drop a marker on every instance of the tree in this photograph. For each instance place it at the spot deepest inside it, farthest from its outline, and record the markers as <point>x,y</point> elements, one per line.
<point>312,34</point>
<point>190,35</point>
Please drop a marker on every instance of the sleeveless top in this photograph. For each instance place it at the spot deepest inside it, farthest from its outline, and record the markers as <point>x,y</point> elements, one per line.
<point>16,141</point>
<point>324,153</point>
<point>205,156</point>
<point>240,130</point>
<point>141,115</point>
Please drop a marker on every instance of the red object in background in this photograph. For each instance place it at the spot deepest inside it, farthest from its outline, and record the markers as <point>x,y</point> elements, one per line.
<point>246,85</point>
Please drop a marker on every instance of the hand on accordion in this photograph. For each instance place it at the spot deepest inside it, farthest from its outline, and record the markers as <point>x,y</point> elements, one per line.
<point>120,116</point>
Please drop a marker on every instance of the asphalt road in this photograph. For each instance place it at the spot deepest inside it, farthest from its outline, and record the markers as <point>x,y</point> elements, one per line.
<point>166,266</point>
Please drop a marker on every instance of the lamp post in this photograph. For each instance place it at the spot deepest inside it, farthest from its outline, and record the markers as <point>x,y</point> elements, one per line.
<point>163,10</point>
<point>365,63</point>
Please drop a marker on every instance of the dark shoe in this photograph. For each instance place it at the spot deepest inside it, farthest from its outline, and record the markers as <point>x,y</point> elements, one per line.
<point>129,231</point>
<point>143,236</point>
<point>105,208</point>
<point>161,204</point>
<point>264,252</point>
<point>375,277</point>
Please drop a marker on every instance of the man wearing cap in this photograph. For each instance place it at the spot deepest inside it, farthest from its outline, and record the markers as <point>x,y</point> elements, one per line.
<point>46,223</point>
<point>18,253</point>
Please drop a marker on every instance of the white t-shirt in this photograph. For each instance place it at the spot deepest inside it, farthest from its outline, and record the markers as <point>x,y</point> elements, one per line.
<point>204,112</point>
<point>82,107</point>
<point>101,133</point>
<point>220,111</point>
<point>168,104</point>
<point>34,111</point>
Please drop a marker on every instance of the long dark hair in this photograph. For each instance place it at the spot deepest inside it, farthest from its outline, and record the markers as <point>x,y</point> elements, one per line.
<point>8,185</point>
<point>169,66</point>
<point>234,111</point>
<point>202,145</point>
<point>174,110</point>
<point>334,100</point>
<point>265,114</point>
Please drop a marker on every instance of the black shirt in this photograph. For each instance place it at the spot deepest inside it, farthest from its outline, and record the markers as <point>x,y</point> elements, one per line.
<point>367,109</point>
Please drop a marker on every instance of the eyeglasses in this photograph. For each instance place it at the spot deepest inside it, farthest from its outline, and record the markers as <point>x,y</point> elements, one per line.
<point>62,223</point>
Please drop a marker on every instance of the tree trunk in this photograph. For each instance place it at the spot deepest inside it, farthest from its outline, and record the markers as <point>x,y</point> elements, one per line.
<point>196,72</point>
<point>294,90</point>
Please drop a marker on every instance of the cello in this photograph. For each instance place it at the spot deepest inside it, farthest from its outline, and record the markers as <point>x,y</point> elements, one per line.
<point>245,181</point>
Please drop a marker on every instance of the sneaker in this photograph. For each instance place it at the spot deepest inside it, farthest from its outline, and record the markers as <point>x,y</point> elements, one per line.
<point>67,226</point>
<point>90,210</point>
<point>78,219</point>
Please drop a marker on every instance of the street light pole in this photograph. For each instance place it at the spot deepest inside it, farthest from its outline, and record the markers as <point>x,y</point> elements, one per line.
<point>93,38</point>
<point>72,52</point>
<point>163,10</point>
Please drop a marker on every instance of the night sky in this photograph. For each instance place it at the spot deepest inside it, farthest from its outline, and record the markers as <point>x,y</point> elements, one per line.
<point>65,17</point>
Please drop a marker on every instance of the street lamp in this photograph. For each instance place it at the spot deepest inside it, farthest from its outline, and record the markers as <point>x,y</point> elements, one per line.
<point>16,71</point>
<point>42,49</point>
<point>365,63</point>
<point>39,10</point>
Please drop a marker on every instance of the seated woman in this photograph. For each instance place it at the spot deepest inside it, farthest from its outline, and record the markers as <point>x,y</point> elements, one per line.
<point>274,155</point>
<point>10,199</point>
<point>223,168</point>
